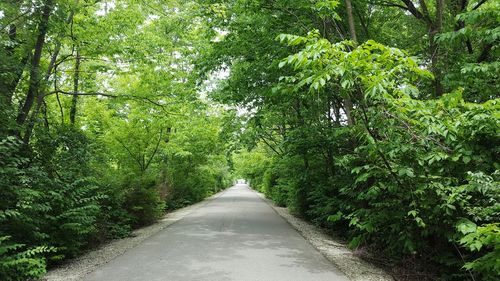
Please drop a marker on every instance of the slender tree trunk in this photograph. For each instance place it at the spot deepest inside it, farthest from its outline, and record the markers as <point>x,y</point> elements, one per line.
<point>434,26</point>
<point>352,30</point>
<point>336,112</point>
<point>8,86</point>
<point>462,6</point>
<point>434,53</point>
<point>350,20</point>
<point>74,101</point>
<point>348,107</point>
<point>434,29</point>
<point>34,81</point>
<point>439,14</point>
<point>41,90</point>
<point>305,186</point>
<point>8,83</point>
<point>13,66</point>
<point>485,52</point>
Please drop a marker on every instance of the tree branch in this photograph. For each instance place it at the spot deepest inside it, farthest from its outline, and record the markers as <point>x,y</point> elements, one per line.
<point>269,145</point>
<point>81,94</point>
<point>132,97</point>
<point>412,9</point>
<point>131,154</point>
<point>155,151</point>
<point>390,4</point>
<point>479,4</point>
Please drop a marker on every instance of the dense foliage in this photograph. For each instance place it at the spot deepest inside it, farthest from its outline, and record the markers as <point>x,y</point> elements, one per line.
<point>378,120</point>
<point>375,119</point>
<point>102,125</point>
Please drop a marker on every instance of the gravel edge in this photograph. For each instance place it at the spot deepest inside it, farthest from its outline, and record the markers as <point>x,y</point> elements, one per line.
<point>77,268</point>
<point>336,252</point>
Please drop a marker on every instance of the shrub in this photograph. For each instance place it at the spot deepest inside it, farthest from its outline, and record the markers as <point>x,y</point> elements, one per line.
<point>18,263</point>
<point>144,205</point>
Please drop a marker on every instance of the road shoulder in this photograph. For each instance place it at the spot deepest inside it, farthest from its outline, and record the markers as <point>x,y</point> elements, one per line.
<point>77,268</point>
<point>352,266</point>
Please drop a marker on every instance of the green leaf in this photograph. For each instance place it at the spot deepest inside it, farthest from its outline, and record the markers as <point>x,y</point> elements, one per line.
<point>466,226</point>
<point>336,217</point>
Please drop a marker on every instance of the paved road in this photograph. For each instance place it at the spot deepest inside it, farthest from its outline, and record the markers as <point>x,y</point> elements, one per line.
<point>236,236</point>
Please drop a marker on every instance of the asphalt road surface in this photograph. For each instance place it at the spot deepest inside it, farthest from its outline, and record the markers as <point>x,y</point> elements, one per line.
<point>236,236</point>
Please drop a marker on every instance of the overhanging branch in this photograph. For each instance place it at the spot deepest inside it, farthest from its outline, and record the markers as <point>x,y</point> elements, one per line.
<point>82,94</point>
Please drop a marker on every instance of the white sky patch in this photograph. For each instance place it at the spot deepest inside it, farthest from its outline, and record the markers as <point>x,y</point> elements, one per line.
<point>125,109</point>
<point>105,7</point>
<point>104,79</point>
<point>2,14</point>
<point>245,111</point>
<point>149,20</point>
<point>221,34</point>
<point>177,55</point>
<point>222,74</point>
<point>152,18</point>
<point>213,81</point>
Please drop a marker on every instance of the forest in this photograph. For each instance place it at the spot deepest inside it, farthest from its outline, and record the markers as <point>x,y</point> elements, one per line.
<point>377,120</point>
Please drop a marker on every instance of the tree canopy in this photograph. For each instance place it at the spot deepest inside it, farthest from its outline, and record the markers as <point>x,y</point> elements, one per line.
<point>377,120</point>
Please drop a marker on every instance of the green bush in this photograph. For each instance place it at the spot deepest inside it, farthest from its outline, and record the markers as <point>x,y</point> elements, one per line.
<point>59,197</point>
<point>483,240</point>
<point>17,263</point>
<point>399,178</point>
<point>144,205</point>
<point>190,183</point>
<point>59,214</point>
<point>114,221</point>
<point>404,192</point>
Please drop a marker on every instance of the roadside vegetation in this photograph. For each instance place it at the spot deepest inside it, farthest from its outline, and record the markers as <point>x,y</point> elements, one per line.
<point>102,129</point>
<point>377,120</point>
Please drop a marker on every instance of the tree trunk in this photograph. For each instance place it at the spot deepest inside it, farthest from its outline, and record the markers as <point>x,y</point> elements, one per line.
<point>434,29</point>
<point>352,30</point>
<point>13,66</point>
<point>348,111</point>
<point>8,86</point>
<point>462,6</point>
<point>34,81</point>
<point>434,53</point>
<point>434,26</point>
<point>350,20</point>
<point>41,90</point>
<point>74,101</point>
<point>8,83</point>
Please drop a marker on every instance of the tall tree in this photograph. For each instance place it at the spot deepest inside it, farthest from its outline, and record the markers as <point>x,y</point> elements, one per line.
<point>35,78</point>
